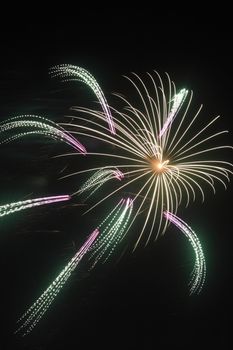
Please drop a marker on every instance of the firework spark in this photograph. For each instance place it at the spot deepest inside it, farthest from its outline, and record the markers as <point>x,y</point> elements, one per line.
<point>162,147</point>
<point>199,270</point>
<point>33,315</point>
<point>178,100</point>
<point>10,208</point>
<point>69,72</point>
<point>39,126</point>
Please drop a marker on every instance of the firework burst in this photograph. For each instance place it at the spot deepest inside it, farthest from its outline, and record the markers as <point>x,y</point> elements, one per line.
<point>161,146</point>
<point>161,152</point>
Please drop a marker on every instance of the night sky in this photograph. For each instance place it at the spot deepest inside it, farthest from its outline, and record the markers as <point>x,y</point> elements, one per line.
<point>142,301</point>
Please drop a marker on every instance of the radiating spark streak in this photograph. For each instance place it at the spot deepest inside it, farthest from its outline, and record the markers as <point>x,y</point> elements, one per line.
<point>126,140</point>
<point>155,211</point>
<point>43,126</point>
<point>199,270</point>
<point>121,127</point>
<point>118,144</point>
<point>200,142</point>
<point>189,181</point>
<point>178,100</point>
<point>69,72</point>
<point>35,312</point>
<point>212,177</point>
<point>150,107</point>
<point>103,155</point>
<point>139,113</point>
<point>99,168</point>
<point>148,212</point>
<point>196,175</point>
<point>169,140</point>
<point>204,151</point>
<point>141,206</point>
<point>196,135</point>
<point>10,208</point>
<point>134,126</point>
<point>156,107</point>
<point>144,198</point>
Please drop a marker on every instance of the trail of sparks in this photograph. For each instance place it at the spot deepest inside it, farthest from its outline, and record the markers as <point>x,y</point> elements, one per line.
<point>99,178</point>
<point>178,100</point>
<point>70,72</point>
<point>10,208</point>
<point>42,126</point>
<point>33,315</point>
<point>199,270</point>
<point>113,230</point>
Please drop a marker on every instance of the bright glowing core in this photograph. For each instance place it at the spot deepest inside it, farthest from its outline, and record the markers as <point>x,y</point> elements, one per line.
<point>159,166</point>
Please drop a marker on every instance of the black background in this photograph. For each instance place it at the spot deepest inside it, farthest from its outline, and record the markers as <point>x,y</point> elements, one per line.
<point>143,300</point>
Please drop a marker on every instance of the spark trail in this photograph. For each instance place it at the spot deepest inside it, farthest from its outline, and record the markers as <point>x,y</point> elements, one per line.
<point>69,72</point>
<point>10,208</point>
<point>113,230</point>
<point>199,271</point>
<point>99,178</point>
<point>38,125</point>
<point>33,315</point>
<point>178,100</point>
